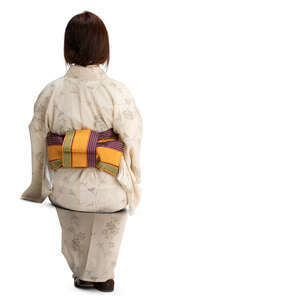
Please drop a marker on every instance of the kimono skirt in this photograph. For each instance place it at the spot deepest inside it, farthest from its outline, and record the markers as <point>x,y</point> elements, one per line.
<point>91,207</point>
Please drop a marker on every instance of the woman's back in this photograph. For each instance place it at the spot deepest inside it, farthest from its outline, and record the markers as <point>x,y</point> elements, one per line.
<point>81,99</point>
<point>87,98</point>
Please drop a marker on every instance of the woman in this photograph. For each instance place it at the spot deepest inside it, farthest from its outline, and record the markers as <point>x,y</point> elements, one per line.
<point>91,187</point>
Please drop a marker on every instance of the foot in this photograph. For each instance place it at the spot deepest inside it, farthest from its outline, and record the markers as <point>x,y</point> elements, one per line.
<point>107,286</point>
<point>82,283</point>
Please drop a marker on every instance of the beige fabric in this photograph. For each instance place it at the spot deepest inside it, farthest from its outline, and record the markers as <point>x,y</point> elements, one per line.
<point>86,98</point>
<point>96,192</point>
<point>91,242</point>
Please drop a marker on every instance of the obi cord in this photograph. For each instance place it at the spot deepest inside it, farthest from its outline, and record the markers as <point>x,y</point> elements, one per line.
<point>85,148</point>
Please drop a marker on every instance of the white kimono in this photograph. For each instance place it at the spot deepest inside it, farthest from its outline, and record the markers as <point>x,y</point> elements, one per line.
<point>86,98</point>
<point>90,203</point>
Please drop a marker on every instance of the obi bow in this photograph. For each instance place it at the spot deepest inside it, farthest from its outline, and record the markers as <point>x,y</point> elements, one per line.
<point>85,148</point>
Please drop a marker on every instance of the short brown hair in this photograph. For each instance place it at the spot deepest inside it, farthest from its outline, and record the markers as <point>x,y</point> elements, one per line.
<point>86,40</point>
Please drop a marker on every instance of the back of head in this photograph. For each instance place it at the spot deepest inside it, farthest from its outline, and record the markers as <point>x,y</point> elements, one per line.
<point>86,40</point>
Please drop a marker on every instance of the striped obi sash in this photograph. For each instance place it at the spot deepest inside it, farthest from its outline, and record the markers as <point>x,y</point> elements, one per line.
<point>85,148</point>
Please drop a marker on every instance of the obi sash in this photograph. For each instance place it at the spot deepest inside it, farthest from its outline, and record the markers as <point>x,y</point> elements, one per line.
<point>85,148</point>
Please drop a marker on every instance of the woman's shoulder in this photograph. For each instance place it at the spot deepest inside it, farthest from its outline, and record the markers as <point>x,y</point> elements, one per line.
<point>46,94</point>
<point>120,92</point>
<point>51,86</point>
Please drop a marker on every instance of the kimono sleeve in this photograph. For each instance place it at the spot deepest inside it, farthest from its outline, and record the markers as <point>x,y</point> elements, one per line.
<point>128,123</point>
<point>39,188</point>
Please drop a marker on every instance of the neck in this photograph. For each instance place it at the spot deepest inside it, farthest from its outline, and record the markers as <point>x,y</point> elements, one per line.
<point>89,72</point>
<point>92,66</point>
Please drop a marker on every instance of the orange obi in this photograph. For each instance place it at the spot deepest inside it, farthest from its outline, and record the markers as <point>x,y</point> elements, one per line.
<point>85,148</point>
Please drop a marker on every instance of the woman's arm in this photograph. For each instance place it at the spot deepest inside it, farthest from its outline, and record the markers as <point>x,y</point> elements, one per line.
<point>39,188</point>
<point>128,123</point>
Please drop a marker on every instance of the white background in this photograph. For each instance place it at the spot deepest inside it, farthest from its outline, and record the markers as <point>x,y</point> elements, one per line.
<point>217,84</point>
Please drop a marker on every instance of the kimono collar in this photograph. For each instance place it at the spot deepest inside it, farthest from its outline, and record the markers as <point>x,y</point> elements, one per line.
<point>85,73</point>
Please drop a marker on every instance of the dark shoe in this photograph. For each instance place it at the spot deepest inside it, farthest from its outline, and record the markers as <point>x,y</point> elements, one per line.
<point>82,283</point>
<point>107,286</point>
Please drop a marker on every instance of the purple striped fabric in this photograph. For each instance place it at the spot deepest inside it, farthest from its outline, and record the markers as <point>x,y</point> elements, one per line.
<point>107,133</point>
<point>118,145</point>
<point>54,139</point>
<point>91,149</point>
<point>94,142</point>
